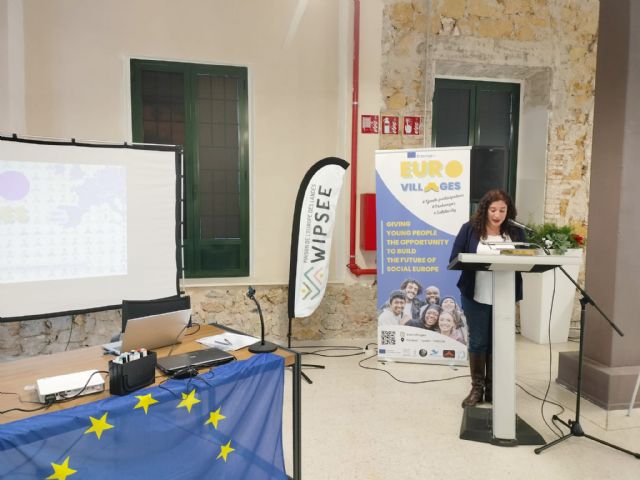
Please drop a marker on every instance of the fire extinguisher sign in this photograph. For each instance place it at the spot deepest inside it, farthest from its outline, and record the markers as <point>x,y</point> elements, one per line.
<point>390,125</point>
<point>411,125</point>
<point>370,124</point>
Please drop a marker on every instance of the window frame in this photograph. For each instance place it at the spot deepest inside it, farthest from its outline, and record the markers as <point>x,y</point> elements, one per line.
<point>475,87</point>
<point>194,245</point>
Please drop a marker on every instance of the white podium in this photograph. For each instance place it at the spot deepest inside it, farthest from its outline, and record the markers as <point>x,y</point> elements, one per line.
<point>505,427</point>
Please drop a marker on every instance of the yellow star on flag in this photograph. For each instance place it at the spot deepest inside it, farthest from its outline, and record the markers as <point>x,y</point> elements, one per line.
<point>214,418</point>
<point>62,471</point>
<point>188,401</point>
<point>225,450</point>
<point>144,401</point>
<point>99,426</point>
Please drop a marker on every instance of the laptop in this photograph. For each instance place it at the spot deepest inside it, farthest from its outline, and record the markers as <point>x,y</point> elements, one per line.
<point>153,331</point>
<point>209,357</point>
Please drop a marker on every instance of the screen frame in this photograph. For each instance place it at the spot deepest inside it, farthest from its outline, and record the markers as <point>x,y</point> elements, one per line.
<point>178,149</point>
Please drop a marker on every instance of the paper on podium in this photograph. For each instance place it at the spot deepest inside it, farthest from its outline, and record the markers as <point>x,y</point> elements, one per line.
<point>228,341</point>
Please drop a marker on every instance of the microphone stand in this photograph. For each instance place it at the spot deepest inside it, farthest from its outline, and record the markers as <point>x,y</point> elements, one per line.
<point>575,429</point>
<point>261,346</point>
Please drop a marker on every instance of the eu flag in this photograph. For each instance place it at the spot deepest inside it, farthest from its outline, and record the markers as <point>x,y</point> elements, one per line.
<point>225,424</point>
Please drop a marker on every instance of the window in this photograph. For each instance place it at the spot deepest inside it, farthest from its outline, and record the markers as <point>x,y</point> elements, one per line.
<point>205,109</point>
<point>478,113</point>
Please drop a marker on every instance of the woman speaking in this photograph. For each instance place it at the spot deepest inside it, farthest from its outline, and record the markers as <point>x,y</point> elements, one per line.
<point>487,226</point>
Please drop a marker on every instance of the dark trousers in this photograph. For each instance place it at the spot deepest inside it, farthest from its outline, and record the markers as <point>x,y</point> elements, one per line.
<point>480,322</point>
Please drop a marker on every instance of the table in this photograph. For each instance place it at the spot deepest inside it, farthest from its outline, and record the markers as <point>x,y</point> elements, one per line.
<point>15,375</point>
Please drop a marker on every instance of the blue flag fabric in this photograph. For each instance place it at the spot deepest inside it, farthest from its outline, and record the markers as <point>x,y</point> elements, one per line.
<point>225,424</point>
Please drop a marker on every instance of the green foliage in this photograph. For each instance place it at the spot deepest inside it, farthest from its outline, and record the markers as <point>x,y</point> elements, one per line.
<point>555,237</point>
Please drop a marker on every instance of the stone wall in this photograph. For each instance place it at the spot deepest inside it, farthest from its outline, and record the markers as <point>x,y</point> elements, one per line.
<point>405,33</point>
<point>548,45</point>
<point>345,312</point>
<point>51,335</point>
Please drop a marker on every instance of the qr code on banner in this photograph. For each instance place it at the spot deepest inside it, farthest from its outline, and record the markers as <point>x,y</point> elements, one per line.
<point>388,337</point>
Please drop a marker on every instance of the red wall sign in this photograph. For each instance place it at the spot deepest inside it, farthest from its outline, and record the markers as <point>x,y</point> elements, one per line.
<point>411,125</point>
<point>390,125</point>
<point>370,124</point>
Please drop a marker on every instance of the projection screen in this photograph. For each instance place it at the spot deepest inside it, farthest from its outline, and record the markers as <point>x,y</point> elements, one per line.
<point>84,226</point>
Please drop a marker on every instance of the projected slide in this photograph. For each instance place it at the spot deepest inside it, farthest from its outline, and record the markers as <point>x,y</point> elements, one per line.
<point>62,221</point>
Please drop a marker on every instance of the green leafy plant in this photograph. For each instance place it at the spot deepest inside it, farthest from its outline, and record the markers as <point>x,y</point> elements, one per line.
<point>555,237</point>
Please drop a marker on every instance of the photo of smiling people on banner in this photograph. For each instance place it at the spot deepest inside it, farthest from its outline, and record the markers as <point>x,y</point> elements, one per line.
<point>422,199</point>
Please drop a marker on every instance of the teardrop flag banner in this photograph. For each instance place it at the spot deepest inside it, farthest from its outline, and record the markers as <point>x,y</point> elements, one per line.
<point>313,221</point>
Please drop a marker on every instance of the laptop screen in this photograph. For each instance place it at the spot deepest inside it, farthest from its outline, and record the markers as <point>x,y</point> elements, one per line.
<point>155,331</point>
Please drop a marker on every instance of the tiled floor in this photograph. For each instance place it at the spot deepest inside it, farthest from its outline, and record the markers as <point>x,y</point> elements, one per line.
<point>362,424</point>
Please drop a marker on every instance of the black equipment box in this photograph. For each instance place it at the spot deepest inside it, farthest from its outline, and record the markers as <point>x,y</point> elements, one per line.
<point>128,377</point>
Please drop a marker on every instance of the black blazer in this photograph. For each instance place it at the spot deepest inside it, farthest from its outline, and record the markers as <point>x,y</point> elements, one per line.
<point>467,242</point>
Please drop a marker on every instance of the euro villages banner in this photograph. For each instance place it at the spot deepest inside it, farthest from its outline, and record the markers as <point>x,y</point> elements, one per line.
<point>313,221</point>
<point>422,200</point>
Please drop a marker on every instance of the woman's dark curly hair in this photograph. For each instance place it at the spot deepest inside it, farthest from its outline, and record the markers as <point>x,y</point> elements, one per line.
<point>479,219</point>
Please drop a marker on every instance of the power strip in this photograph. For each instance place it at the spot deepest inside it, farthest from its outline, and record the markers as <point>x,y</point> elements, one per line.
<point>61,387</point>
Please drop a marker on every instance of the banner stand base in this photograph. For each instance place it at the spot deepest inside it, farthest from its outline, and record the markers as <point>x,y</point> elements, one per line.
<point>476,426</point>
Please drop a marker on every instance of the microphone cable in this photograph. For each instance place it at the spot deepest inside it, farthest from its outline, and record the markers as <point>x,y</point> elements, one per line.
<point>362,351</point>
<point>195,331</point>
<point>25,410</point>
<point>70,332</point>
<point>546,393</point>
<point>332,348</point>
<point>175,342</point>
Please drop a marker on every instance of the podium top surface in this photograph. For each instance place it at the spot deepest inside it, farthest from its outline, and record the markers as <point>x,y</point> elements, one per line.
<point>511,263</point>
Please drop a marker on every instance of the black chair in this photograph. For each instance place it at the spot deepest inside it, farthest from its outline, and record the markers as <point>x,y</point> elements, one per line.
<point>144,308</point>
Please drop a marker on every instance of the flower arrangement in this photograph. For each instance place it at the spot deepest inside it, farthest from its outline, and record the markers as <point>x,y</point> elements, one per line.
<point>555,237</point>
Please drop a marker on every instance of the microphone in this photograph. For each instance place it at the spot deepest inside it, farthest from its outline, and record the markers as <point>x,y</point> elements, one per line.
<point>261,346</point>
<point>519,225</point>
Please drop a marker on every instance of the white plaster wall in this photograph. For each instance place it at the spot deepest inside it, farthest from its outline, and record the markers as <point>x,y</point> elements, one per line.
<point>532,155</point>
<point>12,74</point>
<point>76,58</point>
<point>4,67</point>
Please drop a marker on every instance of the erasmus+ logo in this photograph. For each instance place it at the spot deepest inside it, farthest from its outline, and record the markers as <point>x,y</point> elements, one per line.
<point>433,175</point>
